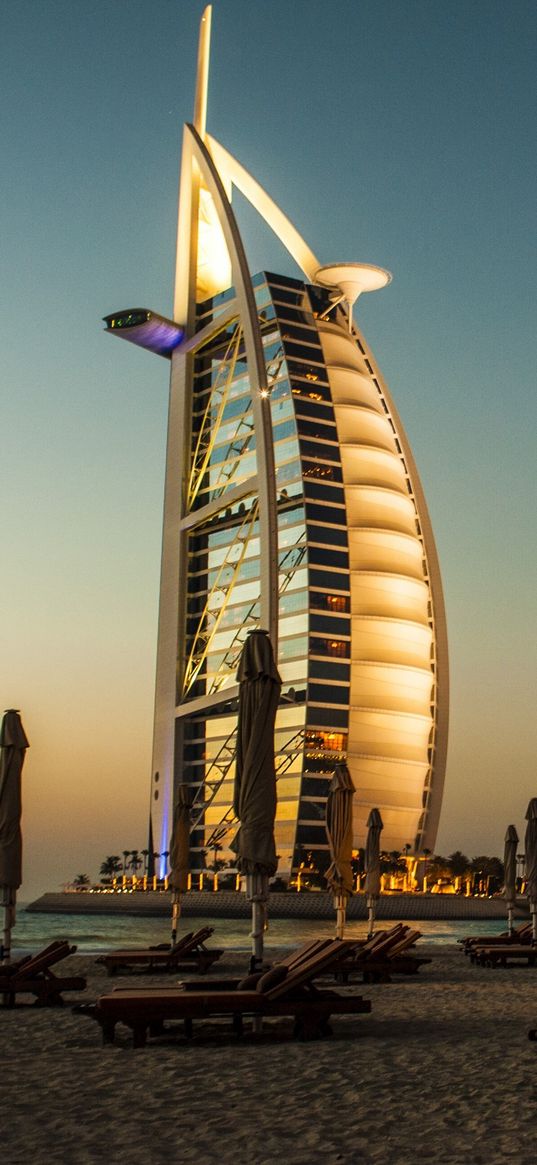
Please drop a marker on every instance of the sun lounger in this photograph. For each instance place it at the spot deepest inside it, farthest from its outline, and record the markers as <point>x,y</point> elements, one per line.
<point>280,992</point>
<point>291,960</point>
<point>190,952</point>
<point>390,955</point>
<point>357,951</point>
<point>504,956</point>
<point>520,938</point>
<point>471,943</point>
<point>34,976</point>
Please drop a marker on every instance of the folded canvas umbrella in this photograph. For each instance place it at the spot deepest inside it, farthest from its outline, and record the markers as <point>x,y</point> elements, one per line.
<point>254,800</point>
<point>530,846</point>
<point>180,852</point>
<point>339,832</point>
<point>372,865</point>
<point>509,862</point>
<point>13,745</point>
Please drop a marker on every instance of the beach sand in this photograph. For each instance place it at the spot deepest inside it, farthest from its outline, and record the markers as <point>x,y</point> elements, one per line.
<point>441,1071</point>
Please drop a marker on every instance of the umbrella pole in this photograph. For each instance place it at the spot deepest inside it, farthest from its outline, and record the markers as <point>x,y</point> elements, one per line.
<point>176,914</point>
<point>8,902</point>
<point>370,916</point>
<point>341,912</point>
<point>257,894</point>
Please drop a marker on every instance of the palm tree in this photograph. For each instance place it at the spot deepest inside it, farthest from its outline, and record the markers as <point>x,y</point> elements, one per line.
<point>110,867</point>
<point>145,855</point>
<point>392,862</point>
<point>437,867</point>
<point>81,881</point>
<point>126,853</point>
<point>488,872</point>
<point>459,864</point>
<point>135,861</point>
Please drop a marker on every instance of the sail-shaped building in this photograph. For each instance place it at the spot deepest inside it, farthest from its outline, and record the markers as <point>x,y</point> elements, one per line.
<point>292,503</point>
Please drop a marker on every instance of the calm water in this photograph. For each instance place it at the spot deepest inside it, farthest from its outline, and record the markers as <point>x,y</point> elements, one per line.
<point>93,935</point>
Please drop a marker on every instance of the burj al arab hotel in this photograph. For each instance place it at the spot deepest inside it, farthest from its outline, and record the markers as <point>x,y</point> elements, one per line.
<point>293,504</point>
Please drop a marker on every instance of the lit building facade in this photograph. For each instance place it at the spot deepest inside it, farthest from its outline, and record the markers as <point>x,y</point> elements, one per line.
<point>292,503</point>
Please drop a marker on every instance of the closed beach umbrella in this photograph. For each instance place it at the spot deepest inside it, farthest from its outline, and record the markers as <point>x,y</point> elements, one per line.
<point>13,745</point>
<point>509,862</point>
<point>372,865</point>
<point>180,852</point>
<point>339,833</point>
<point>254,800</point>
<point>530,846</point>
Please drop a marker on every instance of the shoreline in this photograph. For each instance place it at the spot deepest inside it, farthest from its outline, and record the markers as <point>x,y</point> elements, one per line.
<point>307,905</point>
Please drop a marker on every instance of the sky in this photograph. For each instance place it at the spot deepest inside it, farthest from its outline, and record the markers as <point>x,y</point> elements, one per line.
<point>393,132</point>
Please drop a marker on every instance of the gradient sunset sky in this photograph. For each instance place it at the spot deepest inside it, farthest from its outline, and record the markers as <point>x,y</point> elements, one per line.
<point>395,132</point>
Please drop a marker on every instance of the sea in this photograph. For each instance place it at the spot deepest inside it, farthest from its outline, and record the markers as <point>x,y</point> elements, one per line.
<point>95,935</point>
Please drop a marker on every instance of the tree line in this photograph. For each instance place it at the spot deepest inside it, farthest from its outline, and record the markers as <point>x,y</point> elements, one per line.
<point>482,871</point>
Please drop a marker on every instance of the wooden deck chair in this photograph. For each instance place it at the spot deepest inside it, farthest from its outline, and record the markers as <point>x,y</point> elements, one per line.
<point>34,976</point>
<point>292,959</point>
<point>504,956</point>
<point>391,956</point>
<point>522,934</point>
<point>280,992</point>
<point>190,951</point>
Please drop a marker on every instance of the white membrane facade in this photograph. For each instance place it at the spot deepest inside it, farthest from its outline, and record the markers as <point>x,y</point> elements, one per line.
<point>292,503</point>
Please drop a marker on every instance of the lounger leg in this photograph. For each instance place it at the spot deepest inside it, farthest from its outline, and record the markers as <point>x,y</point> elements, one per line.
<point>305,1029</point>
<point>53,999</point>
<point>139,1036</point>
<point>238,1026</point>
<point>109,1031</point>
<point>311,1026</point>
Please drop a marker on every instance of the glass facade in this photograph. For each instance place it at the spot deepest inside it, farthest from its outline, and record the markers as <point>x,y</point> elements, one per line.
<point>357,649</point>
<point>224,571</point>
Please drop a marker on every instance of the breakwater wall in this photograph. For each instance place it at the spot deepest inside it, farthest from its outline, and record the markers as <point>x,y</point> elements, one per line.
<point>224,904</point>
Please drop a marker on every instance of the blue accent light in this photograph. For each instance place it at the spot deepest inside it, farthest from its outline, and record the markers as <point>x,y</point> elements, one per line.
<point>164,843</point>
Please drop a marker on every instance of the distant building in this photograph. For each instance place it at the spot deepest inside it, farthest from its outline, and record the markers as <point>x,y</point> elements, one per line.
<point>292,503</point>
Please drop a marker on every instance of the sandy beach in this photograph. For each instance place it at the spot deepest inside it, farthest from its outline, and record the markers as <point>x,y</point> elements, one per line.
<point>440,1071</point>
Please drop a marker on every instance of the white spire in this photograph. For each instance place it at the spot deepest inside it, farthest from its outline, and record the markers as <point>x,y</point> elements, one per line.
<point>202,78</point>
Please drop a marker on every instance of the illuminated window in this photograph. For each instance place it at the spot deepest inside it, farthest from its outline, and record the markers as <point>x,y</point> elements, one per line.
<point>335,647</point>
<point>336,603</point>
<point>322,472</point>
<point>328,741</point>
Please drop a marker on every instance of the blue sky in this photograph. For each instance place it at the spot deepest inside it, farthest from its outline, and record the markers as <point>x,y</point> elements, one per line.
<point>396,132</point>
